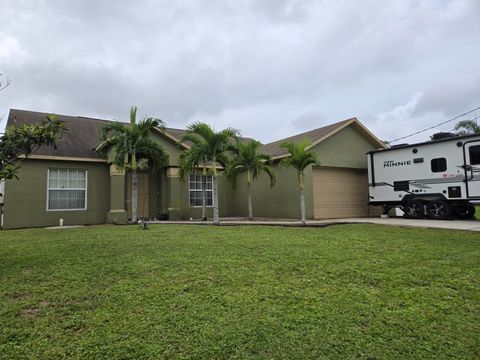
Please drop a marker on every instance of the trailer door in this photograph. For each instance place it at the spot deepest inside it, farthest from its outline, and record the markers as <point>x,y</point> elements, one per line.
<point>472,168</point>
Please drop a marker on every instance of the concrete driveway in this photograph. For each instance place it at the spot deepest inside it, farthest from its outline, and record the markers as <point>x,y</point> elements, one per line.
<point>470,225</point>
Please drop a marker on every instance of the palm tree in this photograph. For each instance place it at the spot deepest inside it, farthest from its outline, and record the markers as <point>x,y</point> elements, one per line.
<point>467,127</point>
<point>247,158</point>
<point>190,161</point>
<point>132,148</point>
<point>213,147</point>
<point>299,158</point>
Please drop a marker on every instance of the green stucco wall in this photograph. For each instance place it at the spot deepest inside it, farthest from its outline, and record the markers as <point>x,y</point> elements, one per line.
<point>347,148</point>
<point>26,199</point>
<point>173,150</point>
<point>281,201</point>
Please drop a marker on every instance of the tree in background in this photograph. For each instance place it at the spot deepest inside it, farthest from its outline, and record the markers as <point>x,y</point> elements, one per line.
<point>19,142</point>
<point>467,127</point>
<point>299,158</point>
<point>248,159</point>
<point>214,147</point>
<point>132,148</point>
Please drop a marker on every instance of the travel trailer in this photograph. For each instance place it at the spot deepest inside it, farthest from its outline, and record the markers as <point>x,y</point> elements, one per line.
<point>438,178</point>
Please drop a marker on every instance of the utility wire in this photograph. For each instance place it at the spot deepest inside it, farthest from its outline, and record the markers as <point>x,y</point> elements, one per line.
<point>435,126</point>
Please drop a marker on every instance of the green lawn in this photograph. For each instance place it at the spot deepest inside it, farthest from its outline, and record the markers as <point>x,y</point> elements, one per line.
<point>350,291</point>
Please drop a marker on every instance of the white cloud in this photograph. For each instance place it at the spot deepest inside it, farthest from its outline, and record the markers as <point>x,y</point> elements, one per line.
<point>267,67</point>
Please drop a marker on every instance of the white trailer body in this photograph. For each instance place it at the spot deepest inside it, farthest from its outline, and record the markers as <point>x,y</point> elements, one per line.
<point>421,178</point>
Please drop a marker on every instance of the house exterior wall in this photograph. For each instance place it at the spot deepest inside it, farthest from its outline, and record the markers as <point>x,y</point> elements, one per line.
<point>26,199</point>
<point>173,150</point>
<point>281,201</point>
<point>347,148</point>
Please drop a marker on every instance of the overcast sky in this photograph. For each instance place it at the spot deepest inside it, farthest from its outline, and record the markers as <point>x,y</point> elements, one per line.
<point>271,68</point>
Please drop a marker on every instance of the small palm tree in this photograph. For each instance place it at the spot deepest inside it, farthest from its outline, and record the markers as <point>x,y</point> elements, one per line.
<point>467,127</point>
<point>247,158</point>
<point>133,148</point>
<point>213,147</point>
<point>299,158</point>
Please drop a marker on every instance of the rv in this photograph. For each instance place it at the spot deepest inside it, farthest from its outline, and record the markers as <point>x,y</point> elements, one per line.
<point>438,179</point>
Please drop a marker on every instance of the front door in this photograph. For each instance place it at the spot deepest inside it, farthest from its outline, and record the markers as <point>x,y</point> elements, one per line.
<point>472,167</point>
<point>143,192</point>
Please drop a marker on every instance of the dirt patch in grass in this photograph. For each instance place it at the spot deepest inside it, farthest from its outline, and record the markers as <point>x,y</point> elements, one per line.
<point>17,297</point>
<point>30,312</point>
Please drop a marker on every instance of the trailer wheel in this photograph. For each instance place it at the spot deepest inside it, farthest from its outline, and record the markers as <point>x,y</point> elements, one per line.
<point>414,209</point>
<point>465,212</point>
<point>438,210</point>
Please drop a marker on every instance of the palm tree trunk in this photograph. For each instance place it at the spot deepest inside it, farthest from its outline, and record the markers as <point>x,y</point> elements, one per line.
<point>216,218</point>
<point>204,196</point>
<point>249,190</point>
<point>302,206</point>
<point>302,198</point>
<point>250,208</point>
<point>134,196</point>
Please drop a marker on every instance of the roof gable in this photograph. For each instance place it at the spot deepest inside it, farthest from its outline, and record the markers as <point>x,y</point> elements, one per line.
<point>316,136</point>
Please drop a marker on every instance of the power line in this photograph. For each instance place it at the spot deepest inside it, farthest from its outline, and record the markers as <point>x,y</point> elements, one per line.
<point>435,126</point>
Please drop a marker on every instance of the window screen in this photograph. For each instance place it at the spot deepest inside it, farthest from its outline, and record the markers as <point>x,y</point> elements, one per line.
<point>439,165</point>
<point>67,189</point>
<point>196,193</point>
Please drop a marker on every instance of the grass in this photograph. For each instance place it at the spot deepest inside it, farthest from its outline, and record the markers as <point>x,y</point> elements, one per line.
<point>350,291</point>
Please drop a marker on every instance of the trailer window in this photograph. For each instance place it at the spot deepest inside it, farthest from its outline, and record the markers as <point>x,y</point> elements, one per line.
<point>474,155</point>
<point>439,165</point>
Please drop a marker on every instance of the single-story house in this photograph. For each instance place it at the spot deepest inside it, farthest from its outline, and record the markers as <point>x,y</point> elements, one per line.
<point>74,183</point>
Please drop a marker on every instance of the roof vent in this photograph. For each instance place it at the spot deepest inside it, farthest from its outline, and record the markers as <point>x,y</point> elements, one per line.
<point>443,135</point>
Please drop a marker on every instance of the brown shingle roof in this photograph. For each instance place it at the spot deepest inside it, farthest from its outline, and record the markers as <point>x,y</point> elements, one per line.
<point>179,133</point>
<point>273,149</point>
<point>79,140</point>
<point>82,135</point>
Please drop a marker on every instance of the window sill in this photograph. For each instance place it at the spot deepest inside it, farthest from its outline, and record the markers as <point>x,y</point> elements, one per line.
<point>56,210</point>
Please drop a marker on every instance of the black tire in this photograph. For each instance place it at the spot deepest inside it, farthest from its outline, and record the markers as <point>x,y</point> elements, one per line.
<point>414,210</point>
<point>438,210</point>
<point>465,212</point>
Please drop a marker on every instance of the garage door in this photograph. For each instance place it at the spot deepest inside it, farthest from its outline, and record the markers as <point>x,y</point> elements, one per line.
<point>339,192</point>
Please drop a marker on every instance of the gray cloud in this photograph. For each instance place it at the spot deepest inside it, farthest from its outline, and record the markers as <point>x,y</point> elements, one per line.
<point>267,67</point>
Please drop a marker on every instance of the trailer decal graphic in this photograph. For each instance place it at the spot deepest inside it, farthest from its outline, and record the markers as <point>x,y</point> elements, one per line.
<point>391,163</point>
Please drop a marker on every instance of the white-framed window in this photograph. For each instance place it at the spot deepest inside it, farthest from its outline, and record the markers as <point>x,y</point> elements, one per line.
<point>196,190</point>
<point>66,189</point>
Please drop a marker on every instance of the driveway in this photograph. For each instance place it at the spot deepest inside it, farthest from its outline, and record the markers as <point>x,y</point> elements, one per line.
<point>470,225</point>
